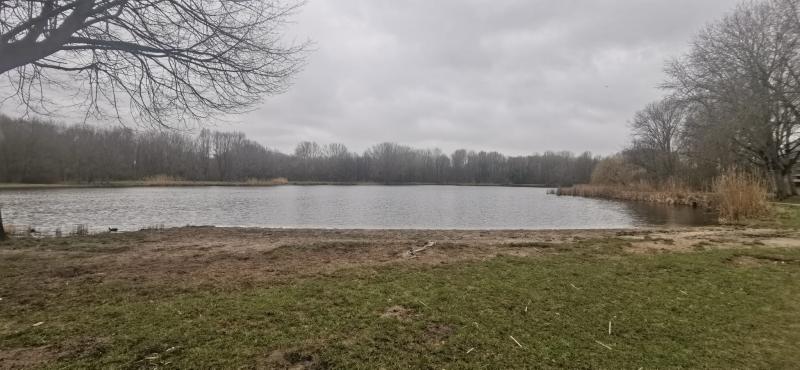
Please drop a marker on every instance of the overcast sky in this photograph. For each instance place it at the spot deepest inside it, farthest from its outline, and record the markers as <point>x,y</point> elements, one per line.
<point>517,76</point>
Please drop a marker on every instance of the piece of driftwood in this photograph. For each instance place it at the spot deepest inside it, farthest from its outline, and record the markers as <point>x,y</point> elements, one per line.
<point>603,344</point>
<point>412,253</point>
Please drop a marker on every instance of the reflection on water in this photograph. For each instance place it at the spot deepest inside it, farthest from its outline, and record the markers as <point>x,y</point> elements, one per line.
<point>419,207</point>
<point>657,214</point>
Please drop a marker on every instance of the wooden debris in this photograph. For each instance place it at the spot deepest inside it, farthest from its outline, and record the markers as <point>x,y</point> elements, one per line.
<point>413,252</point>
<point>515,341</point>
<point>603,344</point>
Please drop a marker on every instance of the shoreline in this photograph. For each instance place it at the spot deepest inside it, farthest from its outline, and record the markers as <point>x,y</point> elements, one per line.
<point>12,230</point>
<point>380,246</point>
<point>145,184</point>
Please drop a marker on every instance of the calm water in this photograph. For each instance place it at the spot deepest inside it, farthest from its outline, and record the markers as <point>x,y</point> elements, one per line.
<point>423,207</point>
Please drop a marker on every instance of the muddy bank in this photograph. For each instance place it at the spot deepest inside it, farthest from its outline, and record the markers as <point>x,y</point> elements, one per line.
<point>200,255</point>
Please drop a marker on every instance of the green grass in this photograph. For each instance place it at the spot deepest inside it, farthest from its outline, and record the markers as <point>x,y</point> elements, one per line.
<point>667,311</point>
<point>791,200</point>
<point>789,217</point>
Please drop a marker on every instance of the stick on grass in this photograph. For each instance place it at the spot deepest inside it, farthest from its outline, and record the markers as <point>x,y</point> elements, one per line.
<point>603,344</point>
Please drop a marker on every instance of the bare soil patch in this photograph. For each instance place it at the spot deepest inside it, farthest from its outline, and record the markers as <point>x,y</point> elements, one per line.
<point>293,359</point>
<point>25,358</point>
<point>398,313</point>
<point>759,261</point>
<point>203,255</point>
<point>685,240</point>
<point>437,334</point>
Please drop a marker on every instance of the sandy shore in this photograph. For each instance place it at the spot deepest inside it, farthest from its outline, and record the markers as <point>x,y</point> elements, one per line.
<point>196,255</point>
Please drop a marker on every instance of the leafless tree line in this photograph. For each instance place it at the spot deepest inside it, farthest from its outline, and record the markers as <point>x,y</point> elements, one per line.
<point>41,152</point>
<point>734,100</point>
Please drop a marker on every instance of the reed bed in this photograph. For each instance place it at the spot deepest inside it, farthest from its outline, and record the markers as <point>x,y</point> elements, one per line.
<point>81,230</point>
<point>673,195</point>
<point>741,195</point>
<point>165,180</point>
<point>267,182</point>
<point>737,195</point>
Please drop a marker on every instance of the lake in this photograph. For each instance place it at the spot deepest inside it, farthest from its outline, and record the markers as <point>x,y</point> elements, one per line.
<point>394,207</point>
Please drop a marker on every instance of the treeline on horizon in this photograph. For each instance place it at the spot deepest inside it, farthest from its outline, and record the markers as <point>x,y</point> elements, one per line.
<point>33,151</point>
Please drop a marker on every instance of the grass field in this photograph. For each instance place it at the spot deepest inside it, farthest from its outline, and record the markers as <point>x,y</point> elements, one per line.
<point>598,300</point>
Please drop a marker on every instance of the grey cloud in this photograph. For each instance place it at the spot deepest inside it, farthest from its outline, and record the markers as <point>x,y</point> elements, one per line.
<point>514,76</point>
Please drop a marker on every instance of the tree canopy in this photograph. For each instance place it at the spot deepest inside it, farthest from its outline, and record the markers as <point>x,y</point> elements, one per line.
<point>158,62</point>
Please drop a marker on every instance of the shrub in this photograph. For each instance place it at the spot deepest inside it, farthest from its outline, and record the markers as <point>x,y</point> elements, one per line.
<point>617,171</point>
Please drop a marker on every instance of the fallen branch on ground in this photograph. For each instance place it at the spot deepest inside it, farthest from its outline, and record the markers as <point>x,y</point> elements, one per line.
<point>413,252</point>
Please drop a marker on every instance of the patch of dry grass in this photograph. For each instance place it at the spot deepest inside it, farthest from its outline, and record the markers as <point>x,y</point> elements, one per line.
<point>161,180</point>
<point>267,182</point>
<point>741,195</point>
<point>671,194</point>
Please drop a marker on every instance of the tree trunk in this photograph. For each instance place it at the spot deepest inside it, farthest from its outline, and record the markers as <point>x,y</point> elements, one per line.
<point>781,186</point>
<point>780,175</point>
<point>2,229</point>
<point>788,178</point>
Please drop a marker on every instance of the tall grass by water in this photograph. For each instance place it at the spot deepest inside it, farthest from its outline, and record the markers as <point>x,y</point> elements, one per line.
<point>671,194</point>
<point>166,180</point>
<point>741,196</point>
<point>737,195</point>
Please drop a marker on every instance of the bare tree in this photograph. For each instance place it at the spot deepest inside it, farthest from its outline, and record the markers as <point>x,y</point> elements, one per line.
<point>656,131</point>
<point>308,150</point>
<point>46,152</point>
<point>162,62</point>
<point>744,73</point>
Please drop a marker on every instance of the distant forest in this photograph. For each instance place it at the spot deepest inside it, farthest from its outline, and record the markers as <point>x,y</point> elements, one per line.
<point>43,152</point>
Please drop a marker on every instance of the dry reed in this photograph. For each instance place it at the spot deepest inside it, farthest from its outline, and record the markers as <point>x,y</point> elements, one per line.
<point>671,193</point>
<point>81,230</point>
<point>269,182</point>
<point>162,180</point>
<point>741,195</point>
